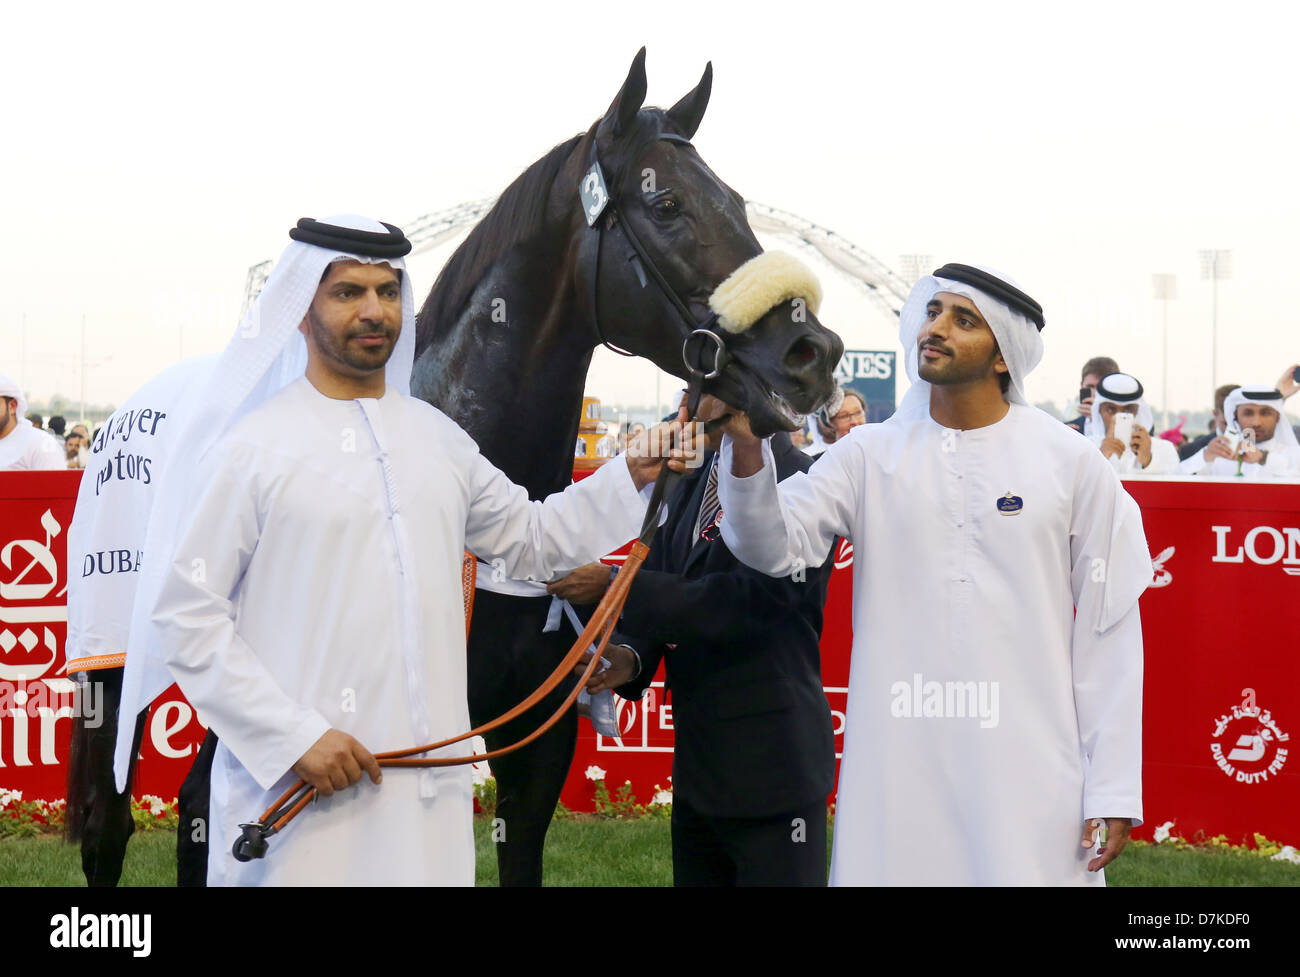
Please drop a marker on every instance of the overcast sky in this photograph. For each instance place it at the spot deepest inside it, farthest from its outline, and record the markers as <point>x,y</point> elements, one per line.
<point>154,152</point>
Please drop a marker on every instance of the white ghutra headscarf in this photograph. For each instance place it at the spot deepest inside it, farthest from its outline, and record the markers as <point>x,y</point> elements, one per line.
<point>267,353</point>
<point>1262,395</point>
<point>1120,389</point>
<point>1017,335</point>
<point>8,388</point>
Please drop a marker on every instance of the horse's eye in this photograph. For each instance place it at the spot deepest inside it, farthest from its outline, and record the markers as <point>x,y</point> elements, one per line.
<point>666,208</point>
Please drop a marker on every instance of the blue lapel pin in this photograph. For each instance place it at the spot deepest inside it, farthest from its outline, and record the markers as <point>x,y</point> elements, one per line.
<point>1010,504</point>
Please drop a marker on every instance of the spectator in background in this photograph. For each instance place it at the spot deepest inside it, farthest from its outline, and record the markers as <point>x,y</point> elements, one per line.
<point>1139,453</point>
<point>1093,371</point>
<point>1217,423</point>
<point>74,447</point>
<point>57,425</point>
<point>852,413</point>
<point>1258,443</point>
<point>23,446</point>
<point>36,420</point>
<point>841,415</point>
<point>819,423</point>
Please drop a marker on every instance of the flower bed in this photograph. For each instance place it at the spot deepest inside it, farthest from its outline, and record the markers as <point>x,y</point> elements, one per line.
<point>20,818</point>
<point>1164,837</point>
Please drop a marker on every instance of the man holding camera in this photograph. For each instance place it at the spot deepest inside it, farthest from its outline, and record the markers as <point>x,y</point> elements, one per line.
<point>1120,426</point>
<point>1259,442</point>
<point>1090,376</point>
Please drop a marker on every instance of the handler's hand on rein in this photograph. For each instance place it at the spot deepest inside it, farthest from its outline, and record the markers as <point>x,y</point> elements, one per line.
<point>622,669</point>
<point>647,450</point>
<point>1118,830</point>
<point>335,761</point>
<point>747,448</point>
<point>585,585</point>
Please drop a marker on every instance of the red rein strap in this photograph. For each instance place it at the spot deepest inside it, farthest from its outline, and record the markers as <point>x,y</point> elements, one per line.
<point>602,622</point>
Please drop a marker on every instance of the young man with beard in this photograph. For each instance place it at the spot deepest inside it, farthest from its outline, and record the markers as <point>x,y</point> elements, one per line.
<point>994,707</point>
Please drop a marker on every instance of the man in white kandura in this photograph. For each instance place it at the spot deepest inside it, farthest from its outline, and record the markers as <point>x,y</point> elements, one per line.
<point>24,447</point>
<point>305,582</point>
<point>1138,453</point>
<point>988,726</point>
<point>1269,451</point>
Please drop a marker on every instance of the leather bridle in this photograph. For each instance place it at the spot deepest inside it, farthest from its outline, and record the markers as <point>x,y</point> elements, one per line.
<point>704,348</point>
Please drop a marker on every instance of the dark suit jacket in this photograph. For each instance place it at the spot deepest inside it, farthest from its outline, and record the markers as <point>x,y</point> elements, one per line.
<point>1191,447</point>
<point>752,727</point>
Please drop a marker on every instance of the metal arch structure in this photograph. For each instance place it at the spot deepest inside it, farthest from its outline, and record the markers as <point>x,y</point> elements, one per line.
<point>427,232</point>
<point>880,282</point>
<point>873,276</point>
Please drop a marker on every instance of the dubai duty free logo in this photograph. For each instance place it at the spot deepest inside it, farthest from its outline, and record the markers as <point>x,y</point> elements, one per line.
<point>1247,744</point>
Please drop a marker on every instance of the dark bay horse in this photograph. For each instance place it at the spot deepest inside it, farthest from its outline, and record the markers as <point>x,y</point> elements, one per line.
<point>504,341</point>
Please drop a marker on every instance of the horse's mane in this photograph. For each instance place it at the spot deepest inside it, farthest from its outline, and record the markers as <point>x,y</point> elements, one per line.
<point>518,215</point>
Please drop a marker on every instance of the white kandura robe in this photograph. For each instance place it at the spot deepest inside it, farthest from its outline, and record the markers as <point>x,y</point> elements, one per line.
<point>317,584</point>
<point>1164,460</point>
<point>948,588</point>
<point>1283,461</point>
<point>28,448</point>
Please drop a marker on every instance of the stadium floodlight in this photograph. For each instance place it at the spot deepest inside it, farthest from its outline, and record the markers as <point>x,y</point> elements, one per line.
<point>1165,290</point>
<point>1216,265</point>
<point>915,266</point>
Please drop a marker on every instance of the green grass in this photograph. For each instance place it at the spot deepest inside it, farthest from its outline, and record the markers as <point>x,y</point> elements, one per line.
<point>1164,865</point>
<point>592,853</point>
<point>46,860</point>
<point>624,853</point>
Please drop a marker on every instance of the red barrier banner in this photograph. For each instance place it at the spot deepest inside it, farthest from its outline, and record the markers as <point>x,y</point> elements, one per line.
<point>1222,686</point>
<point>37,699</point>
<point>1222,674</point>
<point>1222,681</point>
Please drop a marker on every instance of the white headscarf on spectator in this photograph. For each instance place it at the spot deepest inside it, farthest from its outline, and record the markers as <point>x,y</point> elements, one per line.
<point>1120,389</point>
<point>1262,395</point>
<point>8,388</point>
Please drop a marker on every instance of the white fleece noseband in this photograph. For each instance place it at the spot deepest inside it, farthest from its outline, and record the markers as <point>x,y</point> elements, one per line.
<point>764,281</point>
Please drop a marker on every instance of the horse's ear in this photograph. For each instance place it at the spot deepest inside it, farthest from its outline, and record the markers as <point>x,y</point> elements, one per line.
<point>629,99</point>
<point>687,113</point>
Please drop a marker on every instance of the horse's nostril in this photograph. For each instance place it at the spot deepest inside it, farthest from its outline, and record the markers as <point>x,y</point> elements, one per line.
<point>801,355</point>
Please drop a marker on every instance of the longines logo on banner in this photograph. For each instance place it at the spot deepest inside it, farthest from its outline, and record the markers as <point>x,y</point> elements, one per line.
<point>1247,745</point>
<point>1264,545</point>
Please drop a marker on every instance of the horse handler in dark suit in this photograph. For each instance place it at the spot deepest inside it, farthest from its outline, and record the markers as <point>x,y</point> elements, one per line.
<point>755,753</point>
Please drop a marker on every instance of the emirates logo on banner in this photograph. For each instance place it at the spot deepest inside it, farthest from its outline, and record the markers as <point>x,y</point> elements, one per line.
<point>28,646</point>
<point>1160,577</point>
<point>844,555</point>
<point>1247,744</point>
